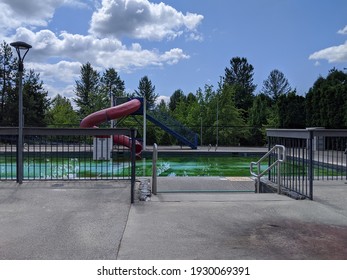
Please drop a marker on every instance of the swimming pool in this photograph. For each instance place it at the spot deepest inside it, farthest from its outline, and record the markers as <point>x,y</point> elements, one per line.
<point>178,165</point>
<point>197,165</point>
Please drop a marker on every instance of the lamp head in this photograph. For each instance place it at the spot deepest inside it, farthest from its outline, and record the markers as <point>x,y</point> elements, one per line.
<point>21,45</point>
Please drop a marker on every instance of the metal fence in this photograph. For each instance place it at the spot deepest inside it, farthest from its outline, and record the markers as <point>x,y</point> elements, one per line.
<point>67,154</point>
<point>312,154</point>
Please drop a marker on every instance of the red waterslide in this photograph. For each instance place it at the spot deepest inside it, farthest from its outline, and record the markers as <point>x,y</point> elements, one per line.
<point>113,113</point>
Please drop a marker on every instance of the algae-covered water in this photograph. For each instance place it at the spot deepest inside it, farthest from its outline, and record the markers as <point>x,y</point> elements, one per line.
<point>197,166</point>
<point>73,168</point>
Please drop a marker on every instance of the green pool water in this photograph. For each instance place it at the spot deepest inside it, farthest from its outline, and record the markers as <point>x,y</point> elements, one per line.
<point>71,168</point>
<point>197,166</point>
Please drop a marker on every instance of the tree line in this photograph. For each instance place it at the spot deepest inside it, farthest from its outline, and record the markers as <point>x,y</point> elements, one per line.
<point>233,113</point>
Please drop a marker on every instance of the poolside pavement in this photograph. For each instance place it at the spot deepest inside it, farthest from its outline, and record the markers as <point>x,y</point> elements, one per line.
<point>94,220</point>
<point>238,225</point>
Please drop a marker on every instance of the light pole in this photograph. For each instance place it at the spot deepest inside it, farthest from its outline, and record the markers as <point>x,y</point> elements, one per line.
<point>24,47</point>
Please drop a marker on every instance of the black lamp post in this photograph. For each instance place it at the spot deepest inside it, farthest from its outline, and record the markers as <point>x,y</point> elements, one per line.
<point>20,47</point>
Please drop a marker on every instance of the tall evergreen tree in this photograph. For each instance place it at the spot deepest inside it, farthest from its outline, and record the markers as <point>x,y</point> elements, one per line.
<point>177,97</point>
<point>8,66</point>
<point>147,90</point>
<point>87,91</point>
<point>240,76</point>
<point>35,100</point>
<point>112,84</point>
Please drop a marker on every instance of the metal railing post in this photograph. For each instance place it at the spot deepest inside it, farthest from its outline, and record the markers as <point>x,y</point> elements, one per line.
<point>310,162</point>
<point>133,164</point>
<point>154,169</point>
<point>278,177</point>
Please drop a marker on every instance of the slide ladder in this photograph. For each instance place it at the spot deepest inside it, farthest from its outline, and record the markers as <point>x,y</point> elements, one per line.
<point>173,127</point>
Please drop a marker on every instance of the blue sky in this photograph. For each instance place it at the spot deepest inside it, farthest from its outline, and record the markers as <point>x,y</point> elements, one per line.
<point>178,44</point>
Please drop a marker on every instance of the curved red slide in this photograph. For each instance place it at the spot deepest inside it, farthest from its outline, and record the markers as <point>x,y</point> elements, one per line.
<point>112,113</point>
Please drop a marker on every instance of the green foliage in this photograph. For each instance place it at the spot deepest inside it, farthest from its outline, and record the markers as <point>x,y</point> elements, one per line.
<point>35,100</point>
<point>147,90</point>
<point>229,118</point>
<point>112,85</point>
<point>327,101</point>
<point>258,118</point>
<point>62,114</point>
<point>291,111</point>
<point>240,76</point>
<point>177,97</point>
<point>89,96</point>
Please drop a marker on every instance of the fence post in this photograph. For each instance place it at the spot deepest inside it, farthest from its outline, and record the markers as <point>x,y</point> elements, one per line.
<point>310,162</point>
<point>154,169</point>
<point>133,164</point>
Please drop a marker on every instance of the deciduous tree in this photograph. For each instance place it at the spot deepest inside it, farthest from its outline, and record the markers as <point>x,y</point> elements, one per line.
<point>61,113</point>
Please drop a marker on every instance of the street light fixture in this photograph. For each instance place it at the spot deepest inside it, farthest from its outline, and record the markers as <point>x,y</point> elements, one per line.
<point>24,48</point>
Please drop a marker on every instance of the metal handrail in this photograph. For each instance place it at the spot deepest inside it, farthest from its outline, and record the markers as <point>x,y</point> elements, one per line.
<point>281,157</point>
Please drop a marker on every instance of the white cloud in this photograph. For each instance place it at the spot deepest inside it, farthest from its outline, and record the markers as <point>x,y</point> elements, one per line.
<point>16,13</point>
<point>99,52</point>
<point>343,31</point>
<point>59,57</point>
<point>332,54</point>
<point>63,71</point>
<point>163,97</point>
<point>141,19</point>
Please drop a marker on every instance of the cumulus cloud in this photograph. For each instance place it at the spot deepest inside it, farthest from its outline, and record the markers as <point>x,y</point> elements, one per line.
<point>16,13</point>
<point>142,19</point>
<point>106,52</point>
<point>332,54</point>
<point>63,71</point>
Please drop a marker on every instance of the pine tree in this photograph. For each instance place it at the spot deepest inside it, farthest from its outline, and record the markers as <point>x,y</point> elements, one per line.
<point>240,76</point>
<point>147,90</point>
<point>112,84</point>
<point>7,80</point>
<point>35,100</point>
<point>87,91</point>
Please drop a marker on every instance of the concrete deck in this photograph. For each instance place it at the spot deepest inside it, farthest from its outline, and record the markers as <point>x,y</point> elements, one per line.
<point>94,220</point>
